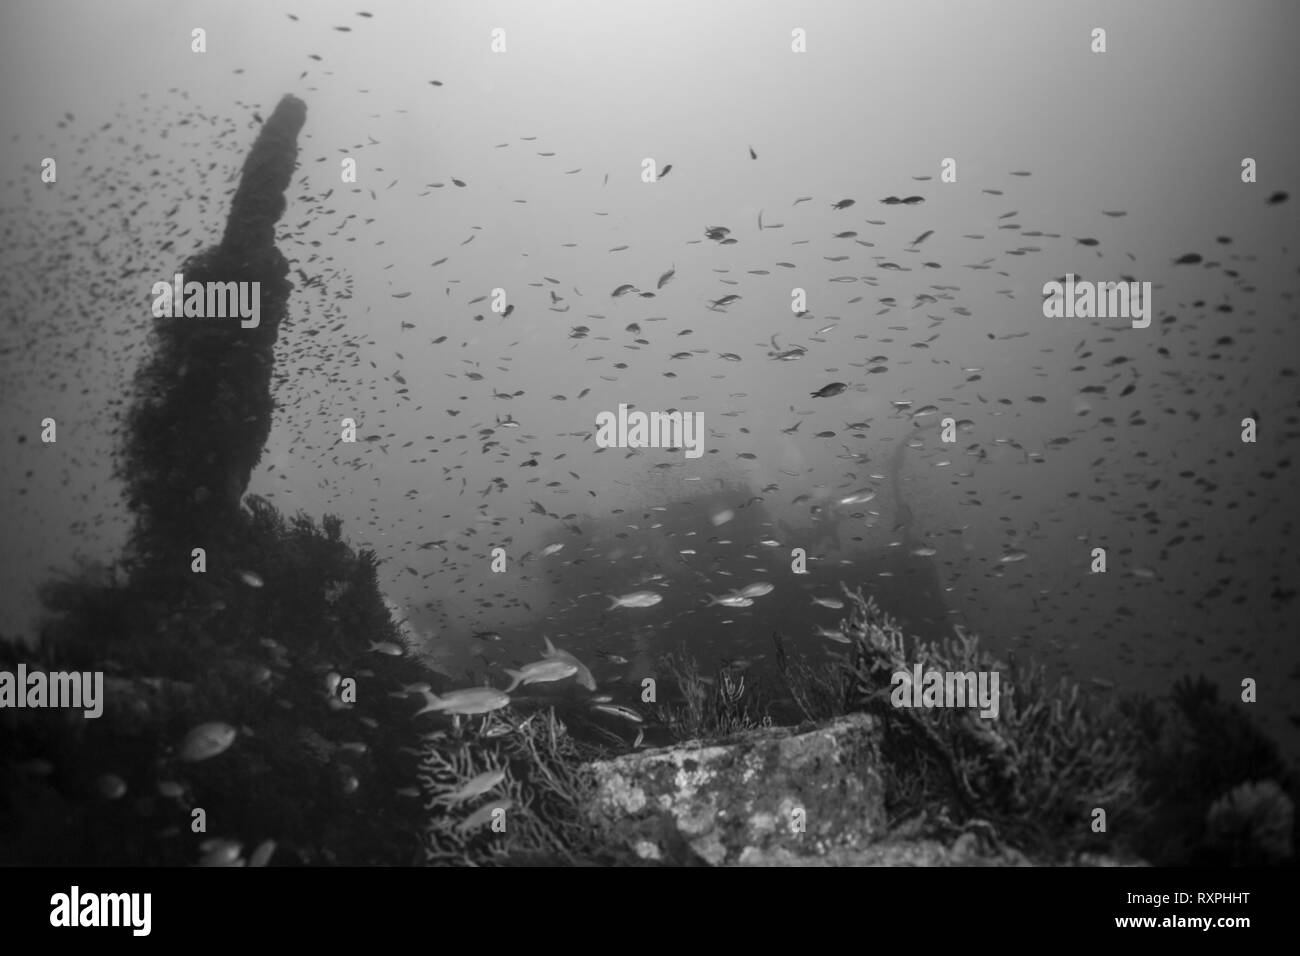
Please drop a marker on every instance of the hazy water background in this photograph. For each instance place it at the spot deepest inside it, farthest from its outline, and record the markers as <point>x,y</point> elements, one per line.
<point>1156,127</point>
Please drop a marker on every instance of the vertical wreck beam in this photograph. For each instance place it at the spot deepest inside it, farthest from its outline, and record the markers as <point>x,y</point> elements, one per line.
<point>201,408</point>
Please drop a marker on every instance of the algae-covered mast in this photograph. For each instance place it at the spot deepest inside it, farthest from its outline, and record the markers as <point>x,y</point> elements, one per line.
<point>201,407</point>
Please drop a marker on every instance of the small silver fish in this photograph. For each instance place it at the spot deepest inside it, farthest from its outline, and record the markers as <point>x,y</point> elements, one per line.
<point>476,787</point>
<point>616,710</point>
<point>219,852</point>
<point>472,700</point>
<point>832,634</point>
<point>262,855</point>
<point>483,814</point>
<point>540,672</point>
<point>860,497</point>
<point>636,599</point>
<point>110,786</point>
<point>207,740</point>
<point>581,674</point>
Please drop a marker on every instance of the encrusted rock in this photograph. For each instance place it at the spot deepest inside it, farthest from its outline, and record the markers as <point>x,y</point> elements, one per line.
<point>768,794</point>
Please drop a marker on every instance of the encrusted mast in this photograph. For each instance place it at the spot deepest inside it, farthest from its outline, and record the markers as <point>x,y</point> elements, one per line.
<point>201,410</point>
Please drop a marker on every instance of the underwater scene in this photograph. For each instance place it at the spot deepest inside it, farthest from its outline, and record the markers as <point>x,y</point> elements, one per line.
<point>681,434</point>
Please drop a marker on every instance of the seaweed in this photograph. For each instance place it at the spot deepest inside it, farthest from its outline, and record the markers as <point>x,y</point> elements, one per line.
<point>544,794</point>
<point>729,703</point>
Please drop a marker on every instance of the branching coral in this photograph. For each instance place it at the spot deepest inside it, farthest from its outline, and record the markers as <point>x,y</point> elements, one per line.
<point>1253,824</point>
<point>1036,770</point>
<point>819,692</point>
<point>710,708</point>
<point>545,783</point>
<point>1196,748</point>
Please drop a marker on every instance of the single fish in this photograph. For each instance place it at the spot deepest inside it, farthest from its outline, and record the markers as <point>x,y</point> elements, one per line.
<point>835,604</point>
<point>617,710</point>
<point>731,600</point>
<point>262,855</point>
<point>540,672</point>
<point>581,674</point>
<point>207,740</point>
<point>476,787</point>
<point>472,700</point>
<point>386,647</point>
<point>218,852</point>
<point>826,391</point>
<point>110,786</point>
<point>832,634</point>
<point>483,814</point>
<point>860,497</point>
<point>636,599</point>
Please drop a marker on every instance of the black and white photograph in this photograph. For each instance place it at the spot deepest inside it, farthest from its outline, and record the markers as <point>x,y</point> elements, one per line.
<point>704,433</point>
